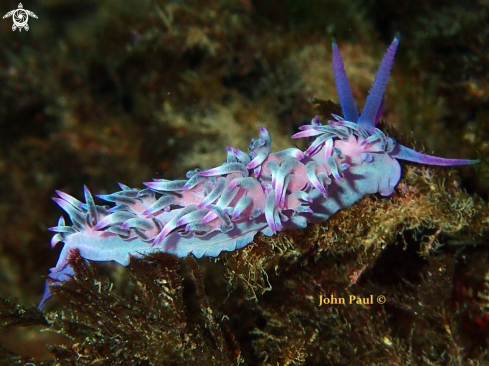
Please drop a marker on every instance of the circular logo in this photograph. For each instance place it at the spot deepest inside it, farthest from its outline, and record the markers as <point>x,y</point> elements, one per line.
<point>20,18</point>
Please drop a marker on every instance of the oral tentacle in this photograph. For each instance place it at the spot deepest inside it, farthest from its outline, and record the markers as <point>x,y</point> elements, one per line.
<point>405,153</point>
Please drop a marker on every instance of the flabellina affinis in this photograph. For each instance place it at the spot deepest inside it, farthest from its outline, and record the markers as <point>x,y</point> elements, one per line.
<point>223,208</point>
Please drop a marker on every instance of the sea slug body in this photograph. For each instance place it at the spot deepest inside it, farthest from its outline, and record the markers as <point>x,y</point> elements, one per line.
<point>223,208</point>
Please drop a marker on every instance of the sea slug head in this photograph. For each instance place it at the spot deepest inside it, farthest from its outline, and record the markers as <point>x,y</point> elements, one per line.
<point>370,155</point>
<point>374,107</point>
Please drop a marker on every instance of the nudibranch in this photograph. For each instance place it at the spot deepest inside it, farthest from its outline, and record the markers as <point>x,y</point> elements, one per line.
<point>223,208</point>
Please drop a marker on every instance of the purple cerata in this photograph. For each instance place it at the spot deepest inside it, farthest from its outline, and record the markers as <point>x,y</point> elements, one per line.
<point>222,209</point>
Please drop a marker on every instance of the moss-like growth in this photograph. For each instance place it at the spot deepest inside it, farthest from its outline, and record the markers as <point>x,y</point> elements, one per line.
<point>150,325</point>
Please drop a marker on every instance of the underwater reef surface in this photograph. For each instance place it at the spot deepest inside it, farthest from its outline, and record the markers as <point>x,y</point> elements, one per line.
<point>102,92</point>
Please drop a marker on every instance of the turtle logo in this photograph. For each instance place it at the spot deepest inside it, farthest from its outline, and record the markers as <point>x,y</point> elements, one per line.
<point>20,17</point>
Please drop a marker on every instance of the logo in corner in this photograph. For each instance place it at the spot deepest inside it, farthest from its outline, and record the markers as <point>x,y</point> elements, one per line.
<point>20,17</point>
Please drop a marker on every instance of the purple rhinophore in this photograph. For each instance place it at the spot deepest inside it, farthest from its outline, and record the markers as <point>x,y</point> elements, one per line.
<point>222,209</point>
